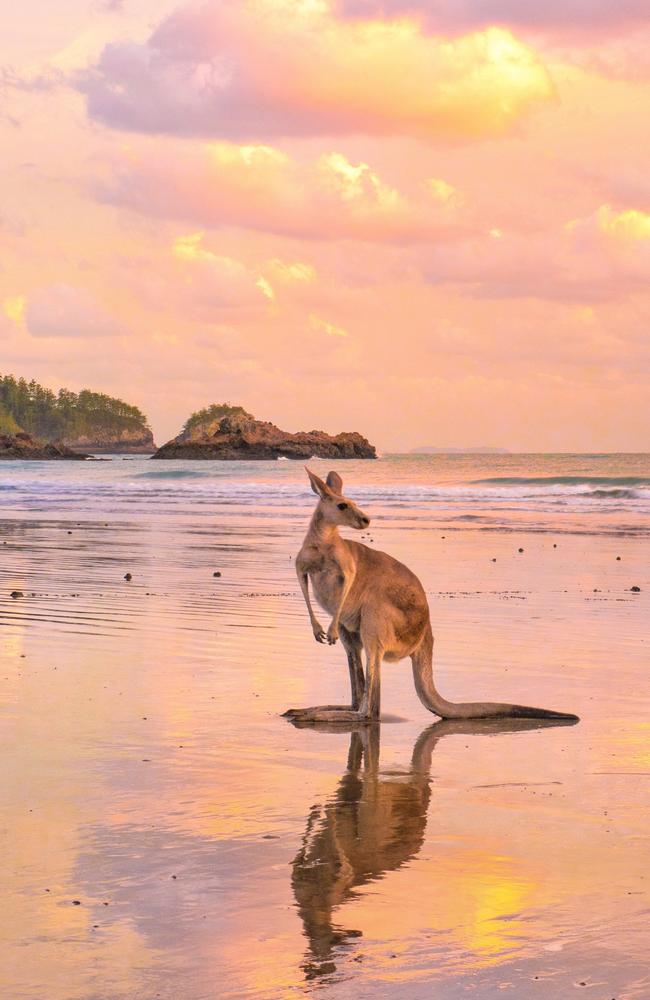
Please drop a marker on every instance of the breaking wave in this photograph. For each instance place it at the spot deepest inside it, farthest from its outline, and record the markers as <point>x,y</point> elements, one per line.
<point>440,492</point>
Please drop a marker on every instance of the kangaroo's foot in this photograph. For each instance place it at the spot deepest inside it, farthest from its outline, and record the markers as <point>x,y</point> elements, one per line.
<point>326,713</point>
<point>316,708</point>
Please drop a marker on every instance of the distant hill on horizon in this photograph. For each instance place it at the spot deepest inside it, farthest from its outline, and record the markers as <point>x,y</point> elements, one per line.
<point>429,449</point>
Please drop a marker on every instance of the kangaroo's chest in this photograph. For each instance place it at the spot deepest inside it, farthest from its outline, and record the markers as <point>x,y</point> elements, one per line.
<point>327,584</point>
<point>326,577</point>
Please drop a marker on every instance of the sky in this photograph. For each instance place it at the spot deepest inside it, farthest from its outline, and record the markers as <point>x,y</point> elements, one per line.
<point>428,222</point>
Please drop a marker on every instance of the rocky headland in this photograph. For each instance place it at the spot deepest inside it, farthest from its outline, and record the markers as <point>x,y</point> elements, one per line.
<point>229,433</point>
<point>24,446</point>
<point>86,421</point>
<point>122,441</point>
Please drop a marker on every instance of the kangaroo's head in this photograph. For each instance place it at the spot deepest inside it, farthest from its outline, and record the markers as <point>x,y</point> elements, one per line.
<point>334,507</point>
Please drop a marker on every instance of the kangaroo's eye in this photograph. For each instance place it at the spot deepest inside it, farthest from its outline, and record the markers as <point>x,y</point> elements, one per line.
<point>342,506</point>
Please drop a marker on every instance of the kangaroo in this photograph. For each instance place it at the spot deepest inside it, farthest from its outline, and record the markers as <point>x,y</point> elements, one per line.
<point>379,606</point>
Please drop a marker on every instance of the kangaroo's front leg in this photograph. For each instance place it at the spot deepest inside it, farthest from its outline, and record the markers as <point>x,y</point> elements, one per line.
<point>317,628</point>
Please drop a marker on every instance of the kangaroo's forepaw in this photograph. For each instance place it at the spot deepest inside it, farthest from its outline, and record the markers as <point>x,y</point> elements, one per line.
<point>319,634</point>
<point>332,634</point>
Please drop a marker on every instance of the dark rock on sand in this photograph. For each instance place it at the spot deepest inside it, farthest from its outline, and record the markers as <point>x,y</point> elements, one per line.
<point>237,435</point>
<point>635,590</point>
<point>23,446</point>
<point>128,577</point>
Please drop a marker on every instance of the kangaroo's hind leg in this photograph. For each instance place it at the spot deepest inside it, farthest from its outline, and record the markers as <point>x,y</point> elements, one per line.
<point>351,642</point>
<point>371,701</point>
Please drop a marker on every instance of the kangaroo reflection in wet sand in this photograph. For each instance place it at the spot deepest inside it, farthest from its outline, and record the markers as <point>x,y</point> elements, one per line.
<point>378,606</point>
<point>374,824</point>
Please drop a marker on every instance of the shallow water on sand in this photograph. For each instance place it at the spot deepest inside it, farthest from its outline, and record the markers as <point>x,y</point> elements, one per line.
<point>166,834</point>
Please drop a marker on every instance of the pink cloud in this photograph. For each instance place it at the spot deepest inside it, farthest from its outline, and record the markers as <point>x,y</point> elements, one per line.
<point>583,17</point>
<point>65,311</point>
<point>253,69</point>
<point>597,259</point>
<point>261,188</point>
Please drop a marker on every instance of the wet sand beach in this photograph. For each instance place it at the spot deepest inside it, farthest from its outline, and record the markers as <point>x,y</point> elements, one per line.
<point>167,834</point>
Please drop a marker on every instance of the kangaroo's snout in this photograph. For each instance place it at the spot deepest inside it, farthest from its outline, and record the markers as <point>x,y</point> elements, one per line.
<point>364,521</point>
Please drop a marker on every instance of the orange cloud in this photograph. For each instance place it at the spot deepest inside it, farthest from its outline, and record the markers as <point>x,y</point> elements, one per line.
<point>260,187</point>
<point>207,281</point>
<point>216,279</point>
<point>248,69</point>
<point>317,323</point>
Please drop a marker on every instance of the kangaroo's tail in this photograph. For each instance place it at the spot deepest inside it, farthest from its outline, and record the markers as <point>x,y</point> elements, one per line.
<point>423,676</point>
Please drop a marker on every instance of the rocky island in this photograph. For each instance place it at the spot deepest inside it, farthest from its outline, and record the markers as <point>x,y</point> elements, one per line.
<point>24,446</point>
<point>89,422</point>
<point>230,433</point>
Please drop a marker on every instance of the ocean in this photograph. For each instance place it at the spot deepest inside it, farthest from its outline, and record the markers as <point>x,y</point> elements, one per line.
<point>602,494</point>
<point>167,834</point>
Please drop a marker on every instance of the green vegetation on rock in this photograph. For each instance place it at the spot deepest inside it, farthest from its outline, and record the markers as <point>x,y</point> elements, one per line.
<point>7,423</point>
<point>65,415</point>
<point>206,420</point>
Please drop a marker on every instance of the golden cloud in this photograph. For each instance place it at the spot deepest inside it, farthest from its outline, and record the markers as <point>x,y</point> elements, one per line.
<point>262,68</point>
<point>630,224</point>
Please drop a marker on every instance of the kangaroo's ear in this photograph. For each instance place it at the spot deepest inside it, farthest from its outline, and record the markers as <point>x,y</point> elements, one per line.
<point>334,482</point>
<point>320,488</point>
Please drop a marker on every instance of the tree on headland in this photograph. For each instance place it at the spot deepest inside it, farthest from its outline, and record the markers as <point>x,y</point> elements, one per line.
<point>45,414</point>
